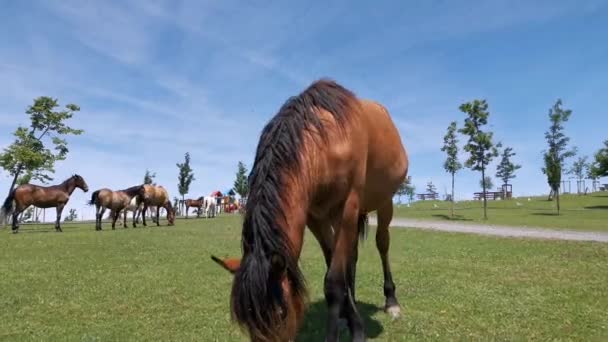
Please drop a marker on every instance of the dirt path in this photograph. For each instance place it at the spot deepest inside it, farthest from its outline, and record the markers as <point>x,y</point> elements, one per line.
<point>538,233</point>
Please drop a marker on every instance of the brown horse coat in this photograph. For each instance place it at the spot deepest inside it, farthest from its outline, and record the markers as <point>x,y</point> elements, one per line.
<point>156,195</point>
<point>324,161</point>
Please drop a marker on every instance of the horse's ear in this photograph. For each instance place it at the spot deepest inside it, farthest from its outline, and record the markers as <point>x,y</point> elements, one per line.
<point>231,265</point>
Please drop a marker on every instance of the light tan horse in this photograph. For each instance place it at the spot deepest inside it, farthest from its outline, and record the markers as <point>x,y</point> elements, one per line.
<point>116,201</point>
<point>42,197</point>
<point>325,160</point>
<point>156,195</point>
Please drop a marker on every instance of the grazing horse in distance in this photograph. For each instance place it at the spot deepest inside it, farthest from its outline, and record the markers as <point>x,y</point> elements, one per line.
<point>325,160</point>
<point>197,203</point>
<point>41,197</point>
<point>116,201</point>
<point>156,195</point>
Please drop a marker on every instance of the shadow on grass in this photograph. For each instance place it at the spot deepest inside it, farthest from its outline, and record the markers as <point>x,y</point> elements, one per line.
<point>315,322</point>
<point>597,207</point>
<point>546,214</point>
<point>449,218</point>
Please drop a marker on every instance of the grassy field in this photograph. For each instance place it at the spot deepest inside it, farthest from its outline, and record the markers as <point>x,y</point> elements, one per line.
<point>159,284</point>
<point>588,212</point>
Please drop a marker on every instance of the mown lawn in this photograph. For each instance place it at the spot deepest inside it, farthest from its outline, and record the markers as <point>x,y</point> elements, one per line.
<point>157,284</point>
<point>588,212</point>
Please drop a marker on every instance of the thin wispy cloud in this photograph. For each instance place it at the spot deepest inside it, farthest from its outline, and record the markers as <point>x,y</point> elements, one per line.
<point>156,79</point>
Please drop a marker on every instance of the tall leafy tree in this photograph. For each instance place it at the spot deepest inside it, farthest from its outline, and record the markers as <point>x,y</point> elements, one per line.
<point>241,185</point>
<point>558,150</point>
<point>149,177</point>
<point>579,169</point>
<point>599,167</point>
<point>430,188</point>
<point>505,170</point>
<point>486,183</point>
<point>36,148</point>
<point>185,178</point>
<point>451,163</point>
<point>480,147</point>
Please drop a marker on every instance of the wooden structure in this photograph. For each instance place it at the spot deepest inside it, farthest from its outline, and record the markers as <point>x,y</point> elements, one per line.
<point>507,190</point>
<point>489,195</point>
<point>431,196</point>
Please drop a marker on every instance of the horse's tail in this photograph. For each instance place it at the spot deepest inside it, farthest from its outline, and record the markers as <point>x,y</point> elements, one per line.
<point>259,301</point>
<point>7,207</point>
<point>94,196</point>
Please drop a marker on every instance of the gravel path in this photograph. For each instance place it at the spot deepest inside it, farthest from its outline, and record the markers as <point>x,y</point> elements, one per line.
<point>531,232</point>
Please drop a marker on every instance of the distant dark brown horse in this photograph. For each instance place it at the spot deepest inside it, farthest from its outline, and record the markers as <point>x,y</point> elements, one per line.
<point>116,201</point>
<point>42,197</point>
<point>324,161</point>
<point>197,203</point>
<point>156,195</point>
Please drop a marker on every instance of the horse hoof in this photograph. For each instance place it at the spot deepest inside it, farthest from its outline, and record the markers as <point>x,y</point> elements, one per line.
<point>394,311</point>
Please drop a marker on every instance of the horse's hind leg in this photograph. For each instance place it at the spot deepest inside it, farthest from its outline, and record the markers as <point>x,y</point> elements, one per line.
<point>15,223</point>
<point>385,215</point>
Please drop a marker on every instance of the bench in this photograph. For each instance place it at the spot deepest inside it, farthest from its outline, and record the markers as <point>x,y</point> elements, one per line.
<point>489,195</point>
<point>424,197</point>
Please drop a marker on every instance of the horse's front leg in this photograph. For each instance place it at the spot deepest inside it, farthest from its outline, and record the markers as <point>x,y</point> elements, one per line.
<point>143,215</point>
<point>124,220</point>
<point>158,216</point>
<point>58,220</point>
<point>339,280</point>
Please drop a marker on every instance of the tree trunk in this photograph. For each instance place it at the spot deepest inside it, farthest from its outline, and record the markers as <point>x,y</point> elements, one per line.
<point>452,209</point>
<point>485,200</point>
<point>19,169</point>
<point>557,198</point>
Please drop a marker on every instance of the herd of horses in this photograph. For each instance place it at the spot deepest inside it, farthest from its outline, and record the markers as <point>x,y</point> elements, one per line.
<point>137,199</point>
<point>325,161</point>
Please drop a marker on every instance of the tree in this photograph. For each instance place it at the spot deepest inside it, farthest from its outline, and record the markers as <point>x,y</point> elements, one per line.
<point>558,150</point>
<point>486,183</point>
<point>241,185</point>
<point>430,188</point>
<point>37,148</point>
<point>579,169</point>
<point>479,145</point>
<point>186,176</point>
<point>409,189</point>
<point>599,167</point>
<point>405,188</point>
<point>451,164</point>
<point>149,177</point>
<point>505,170</point>
<point>72,216</point>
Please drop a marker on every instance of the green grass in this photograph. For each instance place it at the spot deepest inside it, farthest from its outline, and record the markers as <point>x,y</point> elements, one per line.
<point>588,212</point>
<point>159,284</point>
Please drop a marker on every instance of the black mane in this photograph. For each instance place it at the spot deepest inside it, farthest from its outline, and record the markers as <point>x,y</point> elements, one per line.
<point>278,150</point>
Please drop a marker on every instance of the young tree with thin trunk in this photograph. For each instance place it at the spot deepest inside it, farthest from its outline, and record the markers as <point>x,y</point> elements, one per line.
<point>480,146</point>
<point>185,178</point>
<point>451,164</point>
<point>599,167</point>
<point>579,169</point>
<point>149,177</point>
<point>241,185</point>
<point>37,148</point>
<point>558,150</point>
<point>486,183</point>
<point>505,170</point>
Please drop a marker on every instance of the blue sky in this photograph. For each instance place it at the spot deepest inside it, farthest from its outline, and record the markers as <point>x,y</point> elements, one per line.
<point>155,79</point>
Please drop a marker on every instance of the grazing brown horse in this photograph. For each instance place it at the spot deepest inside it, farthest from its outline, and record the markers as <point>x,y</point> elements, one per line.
<point>325,160</point>
<point>197,203</point>
<point>156,195</point>
<point>116,201</point>
<point>42,197</point>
